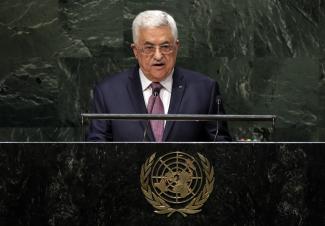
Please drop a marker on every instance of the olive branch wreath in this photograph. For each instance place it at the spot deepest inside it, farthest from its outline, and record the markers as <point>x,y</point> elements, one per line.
<point>161,206</point>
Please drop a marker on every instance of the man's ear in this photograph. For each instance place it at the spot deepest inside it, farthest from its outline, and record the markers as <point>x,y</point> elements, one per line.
<point>177,43</point>
<point>135,51</point>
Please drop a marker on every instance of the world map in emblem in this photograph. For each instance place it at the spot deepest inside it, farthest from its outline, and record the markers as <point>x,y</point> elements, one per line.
<point>177,177</point>
<point>177,182</point>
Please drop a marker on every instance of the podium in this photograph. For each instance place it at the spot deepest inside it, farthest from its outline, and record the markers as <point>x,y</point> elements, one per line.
<point>104,183</point>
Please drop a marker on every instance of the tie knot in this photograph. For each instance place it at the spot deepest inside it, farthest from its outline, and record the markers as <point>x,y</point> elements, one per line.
<point>156,87</point>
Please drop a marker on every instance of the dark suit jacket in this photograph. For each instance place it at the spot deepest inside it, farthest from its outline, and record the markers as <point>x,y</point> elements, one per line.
<point>192,93</point>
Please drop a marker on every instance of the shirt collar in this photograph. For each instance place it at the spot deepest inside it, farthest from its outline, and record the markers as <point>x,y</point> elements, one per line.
<point>167,83</point>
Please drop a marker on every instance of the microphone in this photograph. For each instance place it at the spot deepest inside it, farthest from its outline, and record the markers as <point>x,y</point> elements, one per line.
<point>155,93</point>
<point>218,100</point>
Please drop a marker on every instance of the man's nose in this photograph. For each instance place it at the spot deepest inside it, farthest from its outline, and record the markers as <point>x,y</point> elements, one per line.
<point>157,54</point>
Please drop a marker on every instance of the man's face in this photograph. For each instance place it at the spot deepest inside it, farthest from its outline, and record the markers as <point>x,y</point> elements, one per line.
<point>156,51</point>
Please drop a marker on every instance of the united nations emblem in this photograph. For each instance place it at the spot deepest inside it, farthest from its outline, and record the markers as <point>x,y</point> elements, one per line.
<point>177,182</point>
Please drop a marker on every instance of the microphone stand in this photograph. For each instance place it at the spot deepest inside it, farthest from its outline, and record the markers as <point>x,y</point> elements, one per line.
<point>218,111</point>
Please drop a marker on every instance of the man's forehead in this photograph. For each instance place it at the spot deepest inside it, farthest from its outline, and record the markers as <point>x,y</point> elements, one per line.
<point>155,33</point>
<point>160,43</point>
<point>166,27</point>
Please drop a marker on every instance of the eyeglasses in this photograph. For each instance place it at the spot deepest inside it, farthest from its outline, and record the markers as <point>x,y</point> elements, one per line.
<point>151,49</point>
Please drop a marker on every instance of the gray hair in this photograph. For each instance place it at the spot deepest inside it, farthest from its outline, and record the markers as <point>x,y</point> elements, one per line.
<point>153,19</point>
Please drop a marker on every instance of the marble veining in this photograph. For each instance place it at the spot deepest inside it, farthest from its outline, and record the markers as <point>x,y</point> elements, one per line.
<point>268,56</point>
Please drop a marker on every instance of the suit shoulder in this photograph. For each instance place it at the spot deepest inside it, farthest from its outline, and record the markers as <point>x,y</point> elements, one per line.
<point>194,76</point>
<point>115,79</point>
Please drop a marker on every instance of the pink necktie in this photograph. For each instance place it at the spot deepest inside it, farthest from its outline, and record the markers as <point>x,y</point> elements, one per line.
<point>155,106</point>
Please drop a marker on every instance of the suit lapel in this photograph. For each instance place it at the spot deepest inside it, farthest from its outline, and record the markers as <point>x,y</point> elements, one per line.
<point>136,95</point>
<point>175,101</point>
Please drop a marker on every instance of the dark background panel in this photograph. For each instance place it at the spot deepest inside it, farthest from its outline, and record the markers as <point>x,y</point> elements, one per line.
<point>99,184</point>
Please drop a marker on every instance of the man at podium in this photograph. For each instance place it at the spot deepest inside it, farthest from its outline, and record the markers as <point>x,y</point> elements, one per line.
<point>157,86</point>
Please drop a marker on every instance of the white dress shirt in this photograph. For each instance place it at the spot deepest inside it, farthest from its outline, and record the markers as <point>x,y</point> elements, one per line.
<point>165,92</point>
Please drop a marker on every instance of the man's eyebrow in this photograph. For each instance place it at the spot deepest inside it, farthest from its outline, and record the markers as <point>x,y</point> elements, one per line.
<point>149,43</point>
<point>164,43</point>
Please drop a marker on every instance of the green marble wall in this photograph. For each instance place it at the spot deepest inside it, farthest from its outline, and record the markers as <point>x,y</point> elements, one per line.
<point>268,56</point>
